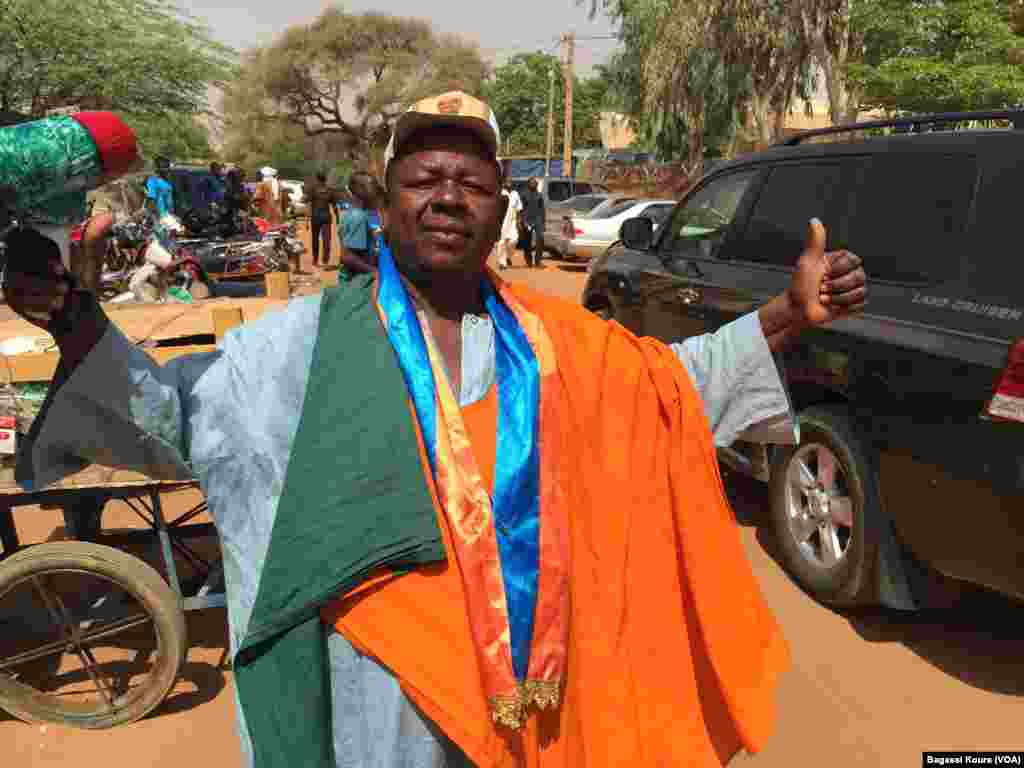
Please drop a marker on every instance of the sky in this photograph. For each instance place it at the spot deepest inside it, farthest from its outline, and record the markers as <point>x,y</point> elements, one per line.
<point>500,28</point>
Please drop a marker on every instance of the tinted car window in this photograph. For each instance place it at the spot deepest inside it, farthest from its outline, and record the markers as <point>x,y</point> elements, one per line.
<point>582,203</point>
<point>989,273</point>
<point>700,222</point>
<point>559,191</point>
<point>583,188</point>
<point>791,197</point>
<point>911,213</point>
<point>614,210</point>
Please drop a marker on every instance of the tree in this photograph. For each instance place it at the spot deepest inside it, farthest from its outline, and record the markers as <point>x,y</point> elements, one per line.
<point>518,94</point>
<point>690,70</point>
<point>177,136</point>
<point>353,74</point>
<point>135,56</point>
<point>940,55</point>
<point>767,37</point>
<point>836,32</point>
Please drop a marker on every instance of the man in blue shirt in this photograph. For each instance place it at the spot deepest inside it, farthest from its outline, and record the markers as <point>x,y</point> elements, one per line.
<point>211,188</point>
<point>354,228</point>
<point>159,191</point>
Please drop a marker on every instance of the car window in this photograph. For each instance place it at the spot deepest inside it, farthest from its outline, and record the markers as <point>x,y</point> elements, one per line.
<point>989,273</point>
<point>619,206</point>
<point>599,210</point>
<point>583,188</point>
<point>582,203</point>
<point>559,191</point>
<point>790,198</point>
<point>911,215</point>
<point>700,222</point>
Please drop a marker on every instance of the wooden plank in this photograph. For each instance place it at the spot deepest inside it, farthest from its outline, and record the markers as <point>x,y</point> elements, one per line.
<point>159,322</point>
<point>41,366</point>
<point>224,319</point>
<point>93,476</point>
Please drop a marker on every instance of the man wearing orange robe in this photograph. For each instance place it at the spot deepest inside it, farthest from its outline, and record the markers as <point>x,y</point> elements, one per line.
<point>506,510</point>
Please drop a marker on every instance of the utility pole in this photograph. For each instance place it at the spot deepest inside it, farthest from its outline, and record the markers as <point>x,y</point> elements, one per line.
<point>569,41</point>
<point>551,120</point>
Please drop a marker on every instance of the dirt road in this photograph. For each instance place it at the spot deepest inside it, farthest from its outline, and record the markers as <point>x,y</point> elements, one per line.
<point>864,691</point>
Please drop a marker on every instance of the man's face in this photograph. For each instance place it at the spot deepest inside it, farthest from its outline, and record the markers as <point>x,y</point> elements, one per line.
<point>444,203</point>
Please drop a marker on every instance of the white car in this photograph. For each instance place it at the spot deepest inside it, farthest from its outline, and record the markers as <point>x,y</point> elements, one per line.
<point>587,236</point>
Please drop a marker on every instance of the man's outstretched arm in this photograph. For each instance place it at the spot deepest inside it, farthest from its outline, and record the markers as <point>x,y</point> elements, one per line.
<point>734,369</point>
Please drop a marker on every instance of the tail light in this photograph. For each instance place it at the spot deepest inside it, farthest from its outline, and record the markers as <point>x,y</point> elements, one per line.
<point>1007,404</point>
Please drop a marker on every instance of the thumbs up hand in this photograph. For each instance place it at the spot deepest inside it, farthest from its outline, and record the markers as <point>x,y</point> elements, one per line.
<point>826,286</point>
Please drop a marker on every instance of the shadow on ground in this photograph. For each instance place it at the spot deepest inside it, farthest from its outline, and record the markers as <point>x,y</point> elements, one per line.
<point>978,642</point>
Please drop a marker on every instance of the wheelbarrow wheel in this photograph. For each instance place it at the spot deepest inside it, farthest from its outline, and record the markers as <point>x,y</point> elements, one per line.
<point>111,603</point>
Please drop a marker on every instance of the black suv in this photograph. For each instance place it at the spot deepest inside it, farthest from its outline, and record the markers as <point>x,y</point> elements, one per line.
<point>911,455</point>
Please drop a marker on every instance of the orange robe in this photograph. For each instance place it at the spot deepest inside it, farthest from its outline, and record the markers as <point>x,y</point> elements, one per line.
<point>674,655</point>
<point>269,206</point>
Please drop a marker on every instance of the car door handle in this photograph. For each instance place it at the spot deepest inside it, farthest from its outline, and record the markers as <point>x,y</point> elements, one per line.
<point>688,296</point>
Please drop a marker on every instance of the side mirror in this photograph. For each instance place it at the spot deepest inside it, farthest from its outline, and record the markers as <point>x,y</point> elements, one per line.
<point>637,234</point>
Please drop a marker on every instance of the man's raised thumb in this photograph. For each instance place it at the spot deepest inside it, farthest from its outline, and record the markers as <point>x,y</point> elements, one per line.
<point>816,237</point>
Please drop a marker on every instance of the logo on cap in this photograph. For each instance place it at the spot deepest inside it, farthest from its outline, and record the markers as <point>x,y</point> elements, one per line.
<point>450,105</point>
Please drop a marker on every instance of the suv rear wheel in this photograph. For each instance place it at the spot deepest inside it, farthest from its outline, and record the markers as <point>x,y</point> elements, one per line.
<point>826,508</point>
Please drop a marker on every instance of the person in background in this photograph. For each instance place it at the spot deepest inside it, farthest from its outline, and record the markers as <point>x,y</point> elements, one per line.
<point>533,215</point>
<point>378,200</point>
<point>236,202</point>
<point>509,226</point>
<point>354,228</point>
<point>211,188</point>
<point>269,197</point>
<point>322,199</point>
<point>159,190</point>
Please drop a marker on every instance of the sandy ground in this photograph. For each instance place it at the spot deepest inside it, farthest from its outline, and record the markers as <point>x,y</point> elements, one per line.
<point>865,690</point>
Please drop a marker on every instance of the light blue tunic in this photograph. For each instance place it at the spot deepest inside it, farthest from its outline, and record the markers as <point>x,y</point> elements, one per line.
<point>228,418</point>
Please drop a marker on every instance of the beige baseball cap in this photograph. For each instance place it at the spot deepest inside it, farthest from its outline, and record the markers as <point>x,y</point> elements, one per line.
<point>452,108</point>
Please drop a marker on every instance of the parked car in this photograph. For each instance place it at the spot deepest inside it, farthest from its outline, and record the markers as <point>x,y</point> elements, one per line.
<point>558,189</point>
<point>909,472</point>
<point>587,236</point>
<point>555,214</point>
<point>555,189</point>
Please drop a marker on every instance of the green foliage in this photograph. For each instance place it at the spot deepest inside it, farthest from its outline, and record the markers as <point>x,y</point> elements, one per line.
<point>137,56</point>
<point>285,146</point>
<point>518,94</point>
<point>936,56</point>
<point>176,136</point>
<point>685,100</point>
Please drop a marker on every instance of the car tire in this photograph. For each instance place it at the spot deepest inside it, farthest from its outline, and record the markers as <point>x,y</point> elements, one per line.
<point>810,532</point>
